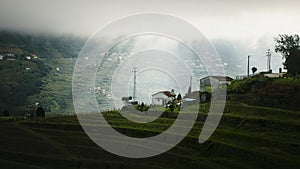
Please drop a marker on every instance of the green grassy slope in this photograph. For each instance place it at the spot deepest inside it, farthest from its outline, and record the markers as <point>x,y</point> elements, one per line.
<point>263,133</point>
<point>248,137</point>
<point>270,92</point>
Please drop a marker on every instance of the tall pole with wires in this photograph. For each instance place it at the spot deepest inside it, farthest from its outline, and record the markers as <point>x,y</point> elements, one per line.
<point>248,67</point>
<point>269,54</point>
<point>134,83</point>
<point>190,87</point>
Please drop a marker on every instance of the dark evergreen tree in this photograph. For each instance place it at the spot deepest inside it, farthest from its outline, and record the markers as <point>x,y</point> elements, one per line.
<point>6,113</point>
<point>179,97</point>
<point>40,112</point>
<point>172,107</point>
<point>254,69</point>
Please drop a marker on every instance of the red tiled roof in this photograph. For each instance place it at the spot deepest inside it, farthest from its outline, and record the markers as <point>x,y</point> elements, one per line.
<point>169,94</point>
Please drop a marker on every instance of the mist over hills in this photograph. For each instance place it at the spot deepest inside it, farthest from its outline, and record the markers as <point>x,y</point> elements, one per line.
<point>50,78</point>
<point>45,46</point>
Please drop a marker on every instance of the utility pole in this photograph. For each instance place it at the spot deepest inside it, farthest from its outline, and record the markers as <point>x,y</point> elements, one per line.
<point>190,87</point>
<point>269,60</point>
<point>134,83</point>
<point>248,67</point>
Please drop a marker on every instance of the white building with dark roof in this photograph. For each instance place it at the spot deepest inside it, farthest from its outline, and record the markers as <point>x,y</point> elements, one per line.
<point>161,98</point>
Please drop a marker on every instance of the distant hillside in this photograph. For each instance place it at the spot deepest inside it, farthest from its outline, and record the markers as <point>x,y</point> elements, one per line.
<point>19,79</point>
<point>269,92</point>
<point>30,62</point>
<point>42,45</point>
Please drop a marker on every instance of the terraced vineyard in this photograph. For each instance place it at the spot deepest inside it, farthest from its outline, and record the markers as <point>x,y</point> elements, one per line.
<point>55,94</point>
<point>248,137</point>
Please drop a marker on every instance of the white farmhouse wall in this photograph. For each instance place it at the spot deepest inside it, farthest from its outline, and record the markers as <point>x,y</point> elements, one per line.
<point>160,99</point>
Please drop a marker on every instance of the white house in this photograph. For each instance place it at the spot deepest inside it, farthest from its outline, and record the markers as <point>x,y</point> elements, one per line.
<point>161,98</point>
<point>274,75</point>
<point>217,81</point>
<point>10,55</point>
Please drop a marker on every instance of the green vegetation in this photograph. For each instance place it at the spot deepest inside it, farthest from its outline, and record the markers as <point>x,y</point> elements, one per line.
<point>248,137</point>
<point>289,47</point>
<point>142,107</point>
<point>41,45</point>
<point>19,79</point>
<point>45,78</point>
<point>55,95</point>
<point>269,92</point>
<point>259,127</point>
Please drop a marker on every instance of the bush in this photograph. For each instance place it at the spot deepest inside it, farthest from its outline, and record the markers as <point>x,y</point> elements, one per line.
<point>142,107</point>
<point>6,113</point>
<point>40,112</point>
<point>268,92</point>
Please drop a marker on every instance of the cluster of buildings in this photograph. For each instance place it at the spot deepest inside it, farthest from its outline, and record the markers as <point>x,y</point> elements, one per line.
<point>12,56</point>
<point>162,98</point>
<point>7,56</point>
<point>204,94</point>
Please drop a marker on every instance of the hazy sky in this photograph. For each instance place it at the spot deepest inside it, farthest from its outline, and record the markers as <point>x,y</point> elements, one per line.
<point>215,18</point>
<point>234,20</point>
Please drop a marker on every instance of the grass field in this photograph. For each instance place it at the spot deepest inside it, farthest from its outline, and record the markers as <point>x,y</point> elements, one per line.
<point>248,137</point>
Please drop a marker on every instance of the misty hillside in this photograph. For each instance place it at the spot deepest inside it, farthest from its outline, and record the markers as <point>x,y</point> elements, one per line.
<point>29,65</point>
<point>40,72</point>
<point>45,46</point>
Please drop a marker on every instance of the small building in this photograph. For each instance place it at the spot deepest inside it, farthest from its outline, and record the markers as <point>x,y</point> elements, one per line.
<point>217,81</point>
<point>274,75</point>
<point>126,100</point>
<point>1,57</point>
<point>198,97</point>
<point>10,56</point>
<point>34,56</point>
<point>161,98</point>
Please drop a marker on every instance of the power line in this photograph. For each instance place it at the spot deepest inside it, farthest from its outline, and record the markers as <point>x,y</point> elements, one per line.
<point>248,67</point>
<point>134,83</point>
<point>190,87</point>
<point>269,54</point>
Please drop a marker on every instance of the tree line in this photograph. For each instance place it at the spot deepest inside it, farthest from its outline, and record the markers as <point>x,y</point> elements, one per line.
<point>289,47</point>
